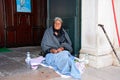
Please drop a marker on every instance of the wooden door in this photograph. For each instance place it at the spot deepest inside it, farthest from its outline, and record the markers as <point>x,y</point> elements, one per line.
<point>1,24</point>
<point>23,26</point>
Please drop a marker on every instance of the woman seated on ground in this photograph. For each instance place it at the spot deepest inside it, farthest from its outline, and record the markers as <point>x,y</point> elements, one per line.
<point>57,46</point>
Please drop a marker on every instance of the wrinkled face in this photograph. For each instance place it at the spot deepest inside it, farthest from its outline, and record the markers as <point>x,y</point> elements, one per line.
<point>57,25</point>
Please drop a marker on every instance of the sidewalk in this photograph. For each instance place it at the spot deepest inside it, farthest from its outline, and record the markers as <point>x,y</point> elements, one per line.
<point>13,67</point>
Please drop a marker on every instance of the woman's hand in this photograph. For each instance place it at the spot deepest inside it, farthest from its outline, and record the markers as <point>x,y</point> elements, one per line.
<point>60,49</point>
<point>57,50</point>
<point>53,51</point>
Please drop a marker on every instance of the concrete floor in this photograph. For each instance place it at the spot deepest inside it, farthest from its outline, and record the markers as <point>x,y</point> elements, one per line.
<point>13,67</point>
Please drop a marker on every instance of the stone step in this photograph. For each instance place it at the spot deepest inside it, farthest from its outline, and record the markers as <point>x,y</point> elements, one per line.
<point>115,60</point>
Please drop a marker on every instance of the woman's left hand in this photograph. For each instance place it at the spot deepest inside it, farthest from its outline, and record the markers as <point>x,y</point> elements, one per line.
<point>60,49</point>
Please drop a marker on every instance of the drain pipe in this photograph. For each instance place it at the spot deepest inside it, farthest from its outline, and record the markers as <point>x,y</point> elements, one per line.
<point>115,20</point>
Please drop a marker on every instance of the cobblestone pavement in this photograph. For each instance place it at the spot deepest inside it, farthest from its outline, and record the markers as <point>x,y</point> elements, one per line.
<point>13,67</point>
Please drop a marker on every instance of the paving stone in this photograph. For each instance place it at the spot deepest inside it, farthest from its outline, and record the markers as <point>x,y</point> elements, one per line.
<point>13,67</point>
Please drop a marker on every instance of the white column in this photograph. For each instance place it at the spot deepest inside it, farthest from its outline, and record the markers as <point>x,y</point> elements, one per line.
<point>94,41</point>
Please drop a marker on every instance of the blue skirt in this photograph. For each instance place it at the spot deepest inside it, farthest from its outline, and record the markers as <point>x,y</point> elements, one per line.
<point>63,62</point>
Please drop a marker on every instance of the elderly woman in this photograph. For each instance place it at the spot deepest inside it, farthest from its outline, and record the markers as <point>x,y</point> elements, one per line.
<point>56,44</point>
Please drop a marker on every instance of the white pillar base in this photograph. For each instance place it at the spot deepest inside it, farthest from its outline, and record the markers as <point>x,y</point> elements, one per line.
<point>98,61</point>
<point>115,60</point>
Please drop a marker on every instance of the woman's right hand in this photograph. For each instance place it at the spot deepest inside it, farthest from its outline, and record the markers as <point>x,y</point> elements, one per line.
<point>53,51</point>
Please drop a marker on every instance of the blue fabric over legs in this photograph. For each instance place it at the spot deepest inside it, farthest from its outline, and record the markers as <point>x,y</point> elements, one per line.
<point>62,62</point>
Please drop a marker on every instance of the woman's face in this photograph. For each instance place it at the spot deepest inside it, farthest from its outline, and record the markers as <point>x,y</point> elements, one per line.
<point>57,25</point>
